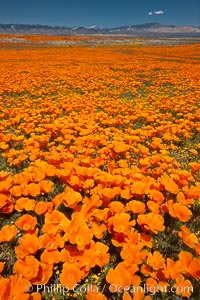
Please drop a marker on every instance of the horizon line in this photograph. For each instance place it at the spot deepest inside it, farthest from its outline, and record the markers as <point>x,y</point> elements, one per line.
<point>97,26</point>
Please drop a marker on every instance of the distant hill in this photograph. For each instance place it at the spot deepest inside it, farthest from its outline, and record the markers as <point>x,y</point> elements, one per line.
<point>148,29</point>
<point>156,28</point>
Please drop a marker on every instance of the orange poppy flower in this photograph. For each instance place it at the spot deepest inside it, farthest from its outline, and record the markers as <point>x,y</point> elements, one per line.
<point>195,167</point>
<point>4,284</point>
<point>24,204</point>
<point>139,188</point>
<point>194,268</point>
<point>8,233</point>
<point>107,194</point>
<point>94,294</point>
<point>5,185</point>
<point>123,163</point>
<point>118,277</point>
<point>8,208</point>
<point>20,251</point>
<point>36,175</point>
<point>57,200</point>
<point>28,267</point>
<point>152,285</point>
<point>21,178</point>
<point>169,184</point>
<point>4,175</point>
<point>151,221</point>
<point>197,249</point>
<point>182,199</point>
<point>116,207</point>
<point>184,288</point>
<point>98,230</point>
<point>28,244</point>
<point>26,222</point>
<point>46,186</point>
<point>87,260</point>
<point>1,266</point>
<point>71,198</point>
<point>121,223</point>
<point>45,272</point>
<point>33,189</point>
<point>74,180</point>
<point>42,207</point>
<point>50,256</point>
<point>128,249</point>
<point>186,259</point>
<point>89,205</point>
<point>102,255</point>
<point>17,190</point>
<point>190,239</point>
<point>154,207</point>
<point>146,270</point>
<point>50,170</point>
<point>126,194</point>
<point>172,269</point>
<point>136,280</point>
<point>178,210</point>
<point>136,207</point>
<point>54,222</point>
<point>193,151</point>
<point>4,200</point>
<point>30,205</point>
<point>194,191</point>
<point>156,260</point>
<point>80,235</point>
<point>126,296</point>
<point>35,296</point>
<point>70,254</point>
<point>15,287</point>
<point>88,184</point>
<point>172,187</point>
<point>70,275</point>
<point>51,242</point>
<point>156,196</point>
<point>121,148</point>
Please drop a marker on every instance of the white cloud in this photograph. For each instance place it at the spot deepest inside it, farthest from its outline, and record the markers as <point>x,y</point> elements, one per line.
<point>157,12</point>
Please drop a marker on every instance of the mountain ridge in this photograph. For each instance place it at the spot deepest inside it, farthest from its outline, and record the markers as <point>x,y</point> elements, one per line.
<point>139,29</point>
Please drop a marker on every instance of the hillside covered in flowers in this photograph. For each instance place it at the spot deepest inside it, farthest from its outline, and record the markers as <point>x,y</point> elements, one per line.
<point>99,171</point>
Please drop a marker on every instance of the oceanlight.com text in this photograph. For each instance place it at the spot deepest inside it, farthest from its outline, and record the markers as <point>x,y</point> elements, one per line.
<point>113,288</point>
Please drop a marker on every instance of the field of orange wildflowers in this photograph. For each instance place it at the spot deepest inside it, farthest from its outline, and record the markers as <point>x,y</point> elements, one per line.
<point>99,171</point>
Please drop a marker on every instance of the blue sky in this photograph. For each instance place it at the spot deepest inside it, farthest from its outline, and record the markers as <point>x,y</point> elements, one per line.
<point>103,13</point>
